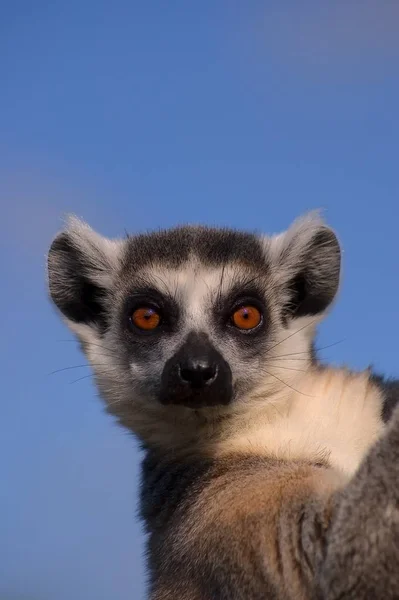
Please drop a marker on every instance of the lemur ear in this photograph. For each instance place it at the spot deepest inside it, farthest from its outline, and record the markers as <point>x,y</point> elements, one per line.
<point>306,263</point>
<point>81,265</point>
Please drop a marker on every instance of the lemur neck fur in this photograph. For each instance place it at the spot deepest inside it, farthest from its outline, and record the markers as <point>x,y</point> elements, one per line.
<point>333,415</point>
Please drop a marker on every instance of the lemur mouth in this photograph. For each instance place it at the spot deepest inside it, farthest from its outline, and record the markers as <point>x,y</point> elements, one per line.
<point>197,398</point>
<point>196,376</point>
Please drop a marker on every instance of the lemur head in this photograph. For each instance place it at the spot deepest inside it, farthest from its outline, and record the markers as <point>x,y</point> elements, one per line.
<point>193,322</point>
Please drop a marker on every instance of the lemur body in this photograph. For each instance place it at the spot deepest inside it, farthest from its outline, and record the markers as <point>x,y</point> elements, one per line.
<point>201,341</point>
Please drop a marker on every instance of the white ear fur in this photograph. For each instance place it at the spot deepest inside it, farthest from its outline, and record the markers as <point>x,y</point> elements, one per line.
<point>309,247</point>
<point>302,229</point>
<point>82,266</point>
<point>102,254</point>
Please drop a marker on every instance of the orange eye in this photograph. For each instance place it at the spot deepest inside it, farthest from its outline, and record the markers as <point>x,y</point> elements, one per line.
<point>247,317</point>
<point>146,318</point>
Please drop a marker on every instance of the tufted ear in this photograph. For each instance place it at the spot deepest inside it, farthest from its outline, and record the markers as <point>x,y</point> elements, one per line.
<point>81,266</point>
<point>306,262</point>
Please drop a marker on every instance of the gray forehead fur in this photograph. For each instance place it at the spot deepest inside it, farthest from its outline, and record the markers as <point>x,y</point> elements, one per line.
<point>212,246</point>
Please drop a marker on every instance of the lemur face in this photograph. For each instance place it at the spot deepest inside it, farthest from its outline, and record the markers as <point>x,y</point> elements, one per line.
<point>192,317</point>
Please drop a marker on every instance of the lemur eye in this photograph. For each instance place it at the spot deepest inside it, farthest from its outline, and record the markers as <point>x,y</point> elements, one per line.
<point>146,318</point>
<point>247,317</point>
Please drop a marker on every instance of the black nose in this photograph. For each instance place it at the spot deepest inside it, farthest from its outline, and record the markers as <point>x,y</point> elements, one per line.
<point>198,373</point>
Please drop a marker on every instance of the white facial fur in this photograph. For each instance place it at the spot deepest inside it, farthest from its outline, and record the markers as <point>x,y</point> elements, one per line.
<point>266,370</point>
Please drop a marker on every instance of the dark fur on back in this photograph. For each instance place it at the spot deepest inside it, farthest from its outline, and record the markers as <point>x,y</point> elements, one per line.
<point>252,528</point>
<point>390,391</point>
<point>233,564</point>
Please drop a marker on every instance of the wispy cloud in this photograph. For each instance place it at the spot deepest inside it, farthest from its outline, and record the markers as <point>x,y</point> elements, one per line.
<point>36,203</point>
<point>334,34</point>
<point>31,213</point>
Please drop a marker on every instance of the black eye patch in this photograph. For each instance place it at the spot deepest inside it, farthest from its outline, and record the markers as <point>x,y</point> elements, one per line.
<point>242,292</point>
<point>248,293</point>
<point>147,296</point>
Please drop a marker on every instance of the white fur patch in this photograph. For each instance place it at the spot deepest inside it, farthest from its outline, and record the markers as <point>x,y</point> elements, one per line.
<point>196,287</point>
<point>101,253</point>
<point>338,419</point>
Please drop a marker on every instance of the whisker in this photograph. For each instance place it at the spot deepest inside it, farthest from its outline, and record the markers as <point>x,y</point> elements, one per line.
<point>104,355</point>
<point>87,365</point>
<point>80,378</point>
<point>206,284</point>
<point>292,334</point>
<point>119,401</point>
<point>249,281</point>
<point>222,277</point>
<point>219,294</point>
<point>288,385</point>
<point>287,368</point>
<point>100,354</point>
<point>306,351</point>
<point>330,345</point>
<point>291,354</point>
<point>89,343</point>
<point>162,281</point>
<point>291,359</point>
<point>67,369</point>
<point>274,404</point>
<point>176,290</point>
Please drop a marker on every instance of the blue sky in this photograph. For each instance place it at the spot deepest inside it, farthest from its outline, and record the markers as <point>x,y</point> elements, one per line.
<point>138,115</point>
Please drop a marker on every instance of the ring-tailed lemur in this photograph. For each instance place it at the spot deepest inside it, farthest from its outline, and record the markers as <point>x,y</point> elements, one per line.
<point>266,475</point>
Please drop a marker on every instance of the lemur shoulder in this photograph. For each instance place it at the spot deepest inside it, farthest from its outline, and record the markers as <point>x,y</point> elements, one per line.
<point>266,474</point>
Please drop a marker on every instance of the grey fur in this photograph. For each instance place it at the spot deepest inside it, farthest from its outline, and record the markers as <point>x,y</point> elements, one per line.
<point>361,558</point>
<point>231,512</point>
